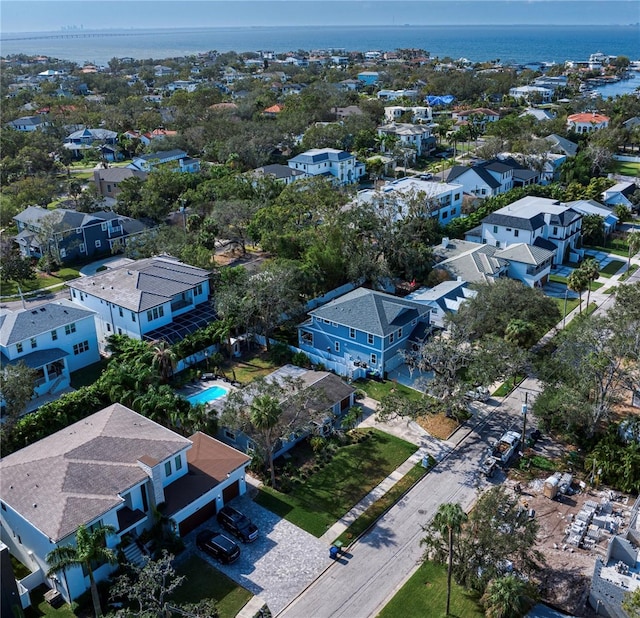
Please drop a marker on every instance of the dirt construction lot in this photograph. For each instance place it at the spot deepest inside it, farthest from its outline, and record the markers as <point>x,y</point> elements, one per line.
<point>567,574</point>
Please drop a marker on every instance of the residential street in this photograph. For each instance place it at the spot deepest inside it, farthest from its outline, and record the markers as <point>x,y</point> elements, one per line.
<point>375,567</point>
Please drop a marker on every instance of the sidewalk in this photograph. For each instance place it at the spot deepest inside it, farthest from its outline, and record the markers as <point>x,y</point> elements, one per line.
<point>401,428</point>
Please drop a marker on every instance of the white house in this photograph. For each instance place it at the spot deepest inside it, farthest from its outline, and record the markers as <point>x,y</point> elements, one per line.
<point>151,299</point>
<point>537,221</point>
<point>112,468</point>
<point>339,164</point>
<point>591,207</point>
<point>483,179</point>
<point>54,339</point>
<point>419,113</point>
<point>392,95</point>
<point>416,137</point>
<point>479,116</point>
<point>532,93</point>
<point>177,160</point>
<point>586,122</point>
<point>277,171</point>
<point>444,298</point>
<point>442,199</point>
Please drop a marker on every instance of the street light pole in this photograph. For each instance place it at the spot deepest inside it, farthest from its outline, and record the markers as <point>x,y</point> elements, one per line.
<point>564,317</point>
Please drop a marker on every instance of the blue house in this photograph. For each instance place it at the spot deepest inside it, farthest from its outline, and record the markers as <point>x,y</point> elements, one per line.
<point>363,332</point>
<point>369,78</point>
<point>75,235</point>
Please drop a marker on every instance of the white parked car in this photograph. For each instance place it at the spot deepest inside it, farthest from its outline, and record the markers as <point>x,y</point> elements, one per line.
<point>480,393</point>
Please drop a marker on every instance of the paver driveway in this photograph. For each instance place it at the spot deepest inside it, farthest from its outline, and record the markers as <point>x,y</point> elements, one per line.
<point>279,564</point>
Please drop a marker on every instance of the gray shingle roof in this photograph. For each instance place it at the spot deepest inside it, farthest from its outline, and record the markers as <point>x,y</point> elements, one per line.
<point>480,264</point>
<point>522,223</point>
<point>75,475</point>
<point>143,284</point>
<point>370,311</point>
<point>20,325</point>
<point>526,254</point>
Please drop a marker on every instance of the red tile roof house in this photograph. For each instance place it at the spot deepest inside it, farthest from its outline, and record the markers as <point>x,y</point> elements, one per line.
<point>586,122</point>
<point>112,468</point>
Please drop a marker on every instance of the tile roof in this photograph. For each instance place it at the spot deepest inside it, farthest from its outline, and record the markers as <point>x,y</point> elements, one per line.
<point>27,323</point>
<point>588,118</point>
<point>143,284</point>
<point>526,254</point>
<point>370,311</point>
<point>76,475</point>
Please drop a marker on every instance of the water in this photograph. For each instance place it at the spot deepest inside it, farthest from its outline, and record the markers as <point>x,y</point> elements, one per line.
<point>207,395</point>
<point>609,91</point>
<point>517,44</point>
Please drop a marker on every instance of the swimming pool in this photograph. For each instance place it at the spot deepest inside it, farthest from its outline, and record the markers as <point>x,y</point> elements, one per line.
<point>207,395</point>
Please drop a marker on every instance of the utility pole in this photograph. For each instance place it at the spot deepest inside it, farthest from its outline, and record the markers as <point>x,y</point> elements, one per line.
<point>564,318</point>
<point>524,420</point>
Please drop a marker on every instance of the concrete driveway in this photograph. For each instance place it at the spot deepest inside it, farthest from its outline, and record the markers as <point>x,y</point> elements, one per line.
<point>279,564</point>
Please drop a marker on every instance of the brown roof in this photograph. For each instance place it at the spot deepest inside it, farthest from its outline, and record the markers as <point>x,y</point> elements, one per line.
<point>76,475</point>
<point>210,461</point>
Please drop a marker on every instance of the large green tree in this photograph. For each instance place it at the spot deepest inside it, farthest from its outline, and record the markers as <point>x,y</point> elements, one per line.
<point>508,596</point>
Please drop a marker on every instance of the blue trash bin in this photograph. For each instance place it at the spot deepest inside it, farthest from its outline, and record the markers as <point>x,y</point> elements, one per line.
<point>333,552</point>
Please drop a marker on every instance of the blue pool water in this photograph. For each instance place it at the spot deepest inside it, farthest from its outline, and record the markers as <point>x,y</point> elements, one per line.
<point>209,394</point>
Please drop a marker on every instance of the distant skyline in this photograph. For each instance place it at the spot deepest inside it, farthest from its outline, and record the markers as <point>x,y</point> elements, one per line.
<point>56,15</point>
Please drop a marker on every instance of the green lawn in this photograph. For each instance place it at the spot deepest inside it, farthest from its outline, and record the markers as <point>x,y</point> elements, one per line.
<point>378,390</point>
<point>611,268</point>
<point>616,247</point>
<point>626,168</point>
<point>629,272</point>
<point>10,288</point>
<point>425,594</point>
<point>319,501</point>
<point>506,387</point>
<point>205,582</point>
<point>39,607</point>
<point>249,368</point>
<point>378,508</point>
<point>572,303</point>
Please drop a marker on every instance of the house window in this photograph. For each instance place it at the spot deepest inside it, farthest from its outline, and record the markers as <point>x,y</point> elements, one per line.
<point>3,506</point>
<point>133,316</point>
<point>508,229</point>
<point>306,338</point>
<point>119,331</point>
<point>456,196</point>
<point>155,313</point>
<point>98,244</point>
<point>399,333</point>
<point>352,333</point>
<point>54,335</point>
<point>19,348</point>
<point>495,229</point>
<point>391,338</point>
<point>108,327</point>
<point>78,230</point>
<point>82,248</point>
<point>73,293</point>
<point>178,462</point>
<point>445,214</point>
<point>34,343</point>
<point>70,328</point>
<point>167,468</point>
<point>198,289</point>
<point>370,339</point>
<point>516,233</point>
<point>555,231</point>
<point>230,435</point>
<point>374,359</point>
<point>497,244</point>
<point>103,226</point>
<point>63,253</point>
<point>81,347</point>
<point>120,312</point>
<point>336,346</point>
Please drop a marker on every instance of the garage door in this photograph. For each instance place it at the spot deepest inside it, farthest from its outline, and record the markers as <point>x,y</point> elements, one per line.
<point>229,493</point>
<point>199,517</point>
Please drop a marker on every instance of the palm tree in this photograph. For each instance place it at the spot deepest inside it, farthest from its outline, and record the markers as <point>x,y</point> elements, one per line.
<point>507,597</point>
<point>164,359</point>
<point>577,282</point>
<point>634,246</point>
<point>591,271</point>
<point>448,520</point>
<point>90,548</point>
<point>264,413</point>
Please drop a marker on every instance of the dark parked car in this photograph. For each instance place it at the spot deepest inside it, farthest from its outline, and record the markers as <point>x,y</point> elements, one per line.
<point>238,524</point>
<point>218,546</point>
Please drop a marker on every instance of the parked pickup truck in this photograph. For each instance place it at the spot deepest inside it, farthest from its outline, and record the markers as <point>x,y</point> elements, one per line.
<point>505,447</point>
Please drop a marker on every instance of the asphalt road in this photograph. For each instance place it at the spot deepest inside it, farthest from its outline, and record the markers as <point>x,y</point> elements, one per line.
<point>360,584</point>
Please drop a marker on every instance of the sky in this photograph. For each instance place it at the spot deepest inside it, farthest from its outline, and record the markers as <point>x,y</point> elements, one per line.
<point>56,15</point>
